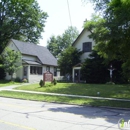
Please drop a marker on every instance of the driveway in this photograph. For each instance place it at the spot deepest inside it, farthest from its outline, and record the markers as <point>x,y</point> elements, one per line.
<point>18,114</point>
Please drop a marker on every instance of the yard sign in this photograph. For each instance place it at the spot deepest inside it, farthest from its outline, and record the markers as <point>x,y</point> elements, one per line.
<point>48,77</point>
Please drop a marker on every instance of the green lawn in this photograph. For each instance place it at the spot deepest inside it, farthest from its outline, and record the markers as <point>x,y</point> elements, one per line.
<point>113,91</point>
<point>4,83</point>
<point>68,100</point>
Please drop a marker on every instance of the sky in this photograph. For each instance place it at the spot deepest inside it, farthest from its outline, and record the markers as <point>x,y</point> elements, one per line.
<point>59,20</point>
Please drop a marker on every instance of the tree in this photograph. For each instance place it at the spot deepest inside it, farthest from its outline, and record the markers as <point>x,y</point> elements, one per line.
<point>111,31</point>
<point>68,58</point>
<point>22,20</point>
<point>2,72</point>
<point>95,70</point>
<point>53,45</point>
<point>57,44</point>
<point>11,61</point>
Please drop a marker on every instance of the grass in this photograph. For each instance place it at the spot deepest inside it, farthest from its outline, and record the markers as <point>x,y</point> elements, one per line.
<point>4,83</point>
<point>111,91</point>
<point>68,100</point>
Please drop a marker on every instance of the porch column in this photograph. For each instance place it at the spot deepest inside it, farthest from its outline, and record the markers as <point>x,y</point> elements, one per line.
<point>79,76</point>
<point>73,74</point>
<point>28,73</point>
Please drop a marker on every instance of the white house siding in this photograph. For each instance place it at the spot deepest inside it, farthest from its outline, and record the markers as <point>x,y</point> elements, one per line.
<point>37,78</point>
<point>19,73</point>
<point>79,43</point>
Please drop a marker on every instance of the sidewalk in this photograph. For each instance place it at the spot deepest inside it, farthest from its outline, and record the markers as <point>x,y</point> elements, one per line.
<point>11,88</point>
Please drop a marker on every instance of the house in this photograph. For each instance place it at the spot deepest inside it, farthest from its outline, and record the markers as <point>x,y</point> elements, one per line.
<point>35,60</point>
<point>84,44</point>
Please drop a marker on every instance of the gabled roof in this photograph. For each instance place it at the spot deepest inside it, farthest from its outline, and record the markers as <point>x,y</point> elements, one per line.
<point>78,37</point>
<point>41,52</point>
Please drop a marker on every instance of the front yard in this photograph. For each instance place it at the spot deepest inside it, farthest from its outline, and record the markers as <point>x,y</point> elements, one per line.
<point>4,83</point>
<point>113,91</point>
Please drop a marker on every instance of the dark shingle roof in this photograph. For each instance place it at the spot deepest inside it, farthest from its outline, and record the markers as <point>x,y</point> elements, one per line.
<point>32,49</point>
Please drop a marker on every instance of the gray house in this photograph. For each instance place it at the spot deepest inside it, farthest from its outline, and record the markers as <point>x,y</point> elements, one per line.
<point>35,61</point>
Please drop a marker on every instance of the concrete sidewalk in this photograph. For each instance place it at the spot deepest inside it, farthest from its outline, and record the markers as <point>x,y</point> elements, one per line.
<point>11,88</point>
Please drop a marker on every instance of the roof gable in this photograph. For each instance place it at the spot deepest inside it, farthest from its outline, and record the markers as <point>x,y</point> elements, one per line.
<point>78,36</point>
<point>41,52</point>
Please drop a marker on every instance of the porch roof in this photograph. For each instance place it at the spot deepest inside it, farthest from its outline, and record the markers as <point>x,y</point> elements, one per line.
<point>31,62</point>
<point>78,65</point>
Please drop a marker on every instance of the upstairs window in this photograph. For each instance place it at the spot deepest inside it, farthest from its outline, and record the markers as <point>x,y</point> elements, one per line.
<point>87,46</point>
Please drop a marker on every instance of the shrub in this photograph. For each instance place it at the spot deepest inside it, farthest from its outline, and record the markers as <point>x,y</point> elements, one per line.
<point>110,83</point>
<point>24,80</point>
<point>17,79</point>
<point>54,81</point>
<point>41,83</point>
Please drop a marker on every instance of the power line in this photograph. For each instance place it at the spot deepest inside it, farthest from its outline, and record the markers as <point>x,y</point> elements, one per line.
<point>69,13</point>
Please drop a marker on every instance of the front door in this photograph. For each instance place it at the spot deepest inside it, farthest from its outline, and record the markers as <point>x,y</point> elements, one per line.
<point>77,75</point>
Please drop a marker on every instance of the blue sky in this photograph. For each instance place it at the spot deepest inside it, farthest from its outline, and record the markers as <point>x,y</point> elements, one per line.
<point>58,20</point>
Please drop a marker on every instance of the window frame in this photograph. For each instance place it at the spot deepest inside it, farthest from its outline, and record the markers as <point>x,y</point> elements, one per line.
<point>35,70</point>
<point>87,47</point>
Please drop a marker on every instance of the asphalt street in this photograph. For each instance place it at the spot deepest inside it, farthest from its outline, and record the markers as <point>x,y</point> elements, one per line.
<point>18,114</point>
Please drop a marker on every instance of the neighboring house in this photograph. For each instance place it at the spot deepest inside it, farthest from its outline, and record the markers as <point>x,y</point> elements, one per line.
<point>85,44</point>
<point>35,61</point>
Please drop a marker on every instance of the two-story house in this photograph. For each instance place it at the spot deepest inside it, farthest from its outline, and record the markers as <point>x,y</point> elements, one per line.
<point>84,44</point>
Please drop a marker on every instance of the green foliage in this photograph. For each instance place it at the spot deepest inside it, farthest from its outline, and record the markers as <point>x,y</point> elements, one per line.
<point>17,79</point>
<point>22,20</point>
<point>68,58</point>
<point>41,83</point>
<point>24,80</point>
<point>94,70</point>
<point>11,61</point>
<point>54,81</point>
<point>2,72</point>
<point>110,83</point>
<point>111,31</point>
<point>57,44</point>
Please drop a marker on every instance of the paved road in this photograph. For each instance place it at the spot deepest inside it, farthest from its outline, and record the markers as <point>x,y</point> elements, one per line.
<point>18,114</point>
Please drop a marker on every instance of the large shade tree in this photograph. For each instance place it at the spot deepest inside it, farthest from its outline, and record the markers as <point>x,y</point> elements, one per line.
<point>68,58</point>
<point>111,31</point>
<point>57,44</point>
<point>22,20</point>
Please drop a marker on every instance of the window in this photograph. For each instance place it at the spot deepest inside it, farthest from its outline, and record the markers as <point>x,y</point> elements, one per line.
<point>25,70</point>
<point>35,70</point>
<point>87,46</point>
<point>48,68</point>
<point>55,71</point>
